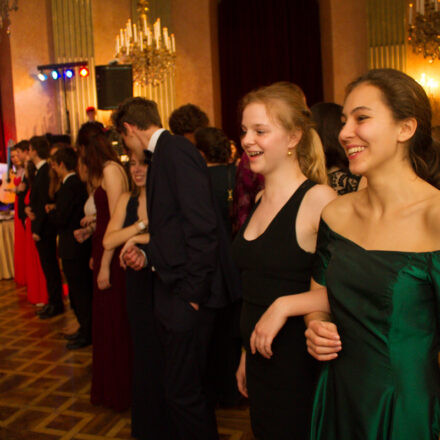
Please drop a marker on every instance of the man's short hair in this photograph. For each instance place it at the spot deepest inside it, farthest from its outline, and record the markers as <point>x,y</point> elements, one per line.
<point>41,146</point>
<point>187,119</point>
<point>67,156</point>
<point>140,112</point>
<point>22,145</point>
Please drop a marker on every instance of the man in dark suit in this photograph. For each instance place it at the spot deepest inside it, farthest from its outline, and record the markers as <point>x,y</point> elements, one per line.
<point>183,255</point>
<point>66,214</point>
<point>43,231</point>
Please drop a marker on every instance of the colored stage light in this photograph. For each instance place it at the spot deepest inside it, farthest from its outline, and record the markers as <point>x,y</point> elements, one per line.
<point>68,73</point>
<point>84,72</point>
<point>41,76</point>
<point>55,74</point>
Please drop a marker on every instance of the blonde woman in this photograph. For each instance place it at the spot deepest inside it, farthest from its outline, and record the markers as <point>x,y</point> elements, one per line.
<point>274,251</point>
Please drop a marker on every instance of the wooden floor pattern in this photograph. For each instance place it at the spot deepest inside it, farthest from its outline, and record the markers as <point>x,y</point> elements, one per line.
<point>44,388</point>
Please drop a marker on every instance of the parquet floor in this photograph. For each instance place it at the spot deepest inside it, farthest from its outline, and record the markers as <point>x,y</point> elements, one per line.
<point>44,388</point>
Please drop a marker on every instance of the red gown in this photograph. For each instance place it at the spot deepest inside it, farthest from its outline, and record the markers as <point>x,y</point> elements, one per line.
<point>112,351</point>
<point>19,244</point>
<point>35,279</point>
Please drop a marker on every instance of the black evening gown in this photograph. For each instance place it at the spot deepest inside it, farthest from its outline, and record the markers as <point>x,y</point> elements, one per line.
<point>148,420</point>
<point>280,389</point>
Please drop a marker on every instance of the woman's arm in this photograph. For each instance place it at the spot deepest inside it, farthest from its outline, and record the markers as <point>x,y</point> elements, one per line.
<point>115,235</point>
<point>280,310</point>
<point>114,183</point>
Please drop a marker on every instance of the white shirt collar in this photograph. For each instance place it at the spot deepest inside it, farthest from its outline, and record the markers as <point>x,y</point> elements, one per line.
<point>40,164</point>
<point>154,138</point>
<point>67,176</point>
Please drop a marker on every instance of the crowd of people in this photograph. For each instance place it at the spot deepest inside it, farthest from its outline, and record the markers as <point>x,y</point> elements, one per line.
<point>195,269</point>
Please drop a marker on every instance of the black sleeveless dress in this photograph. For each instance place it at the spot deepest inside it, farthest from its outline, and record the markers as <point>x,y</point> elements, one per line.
<point>280,389</point>
<point>148,418</point>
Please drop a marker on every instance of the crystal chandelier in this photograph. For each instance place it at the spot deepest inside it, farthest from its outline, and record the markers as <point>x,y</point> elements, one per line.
<point>6,6</point>
<point>149,49</point>
<point>424,28</point>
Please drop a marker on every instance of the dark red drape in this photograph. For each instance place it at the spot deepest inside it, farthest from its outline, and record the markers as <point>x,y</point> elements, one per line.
<point>264,41</point>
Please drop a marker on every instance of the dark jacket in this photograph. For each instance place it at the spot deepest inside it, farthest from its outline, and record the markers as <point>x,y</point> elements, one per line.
<point>68,212</point>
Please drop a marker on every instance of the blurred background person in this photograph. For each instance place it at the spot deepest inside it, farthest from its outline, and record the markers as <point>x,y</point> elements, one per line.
<point>35,278</point>
<point>185,120</point>
<point>129,225</point>
<point>111,369</point>
<point>328,119</point>
<point>225,348</point>
<point>19,227</point>
<point>43,231</point>
<point>66,214</point>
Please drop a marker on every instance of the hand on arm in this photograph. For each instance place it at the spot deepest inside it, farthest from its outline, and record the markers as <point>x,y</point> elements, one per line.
<point>133,257</point>
<point>137,239</point>
<point>323,341</point>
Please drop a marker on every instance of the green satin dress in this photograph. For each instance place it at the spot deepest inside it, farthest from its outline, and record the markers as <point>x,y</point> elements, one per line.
<point>384,385</point>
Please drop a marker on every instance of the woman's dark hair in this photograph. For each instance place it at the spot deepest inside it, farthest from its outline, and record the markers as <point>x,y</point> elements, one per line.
<point>327,117</point>
<point>214,144</point>
<point>95,149</point>
<point>406,98</point>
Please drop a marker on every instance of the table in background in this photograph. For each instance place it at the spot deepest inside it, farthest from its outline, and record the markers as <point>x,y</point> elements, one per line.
<point>6,248</point>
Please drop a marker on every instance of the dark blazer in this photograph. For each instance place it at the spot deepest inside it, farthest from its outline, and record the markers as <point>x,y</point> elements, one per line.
<point>189,245</point>
<point>182,220</point>
<point>68,212</point>
<point>38,199</point>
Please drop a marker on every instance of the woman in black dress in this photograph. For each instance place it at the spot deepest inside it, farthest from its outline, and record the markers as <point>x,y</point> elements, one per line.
<point>274,250</point>
<point>129,224</point>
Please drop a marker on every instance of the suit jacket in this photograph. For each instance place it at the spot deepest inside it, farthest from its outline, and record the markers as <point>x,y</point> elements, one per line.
<point>68,212</point>
<point>184,226</point>
<point>38,198</point>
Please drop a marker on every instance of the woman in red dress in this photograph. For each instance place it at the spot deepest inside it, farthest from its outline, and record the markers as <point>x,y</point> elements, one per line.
<point>111,370</point>
<point>35,279</point>
<point>19,231</point>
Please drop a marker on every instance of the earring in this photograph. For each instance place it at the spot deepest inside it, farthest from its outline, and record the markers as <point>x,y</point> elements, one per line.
<point>289,152</point>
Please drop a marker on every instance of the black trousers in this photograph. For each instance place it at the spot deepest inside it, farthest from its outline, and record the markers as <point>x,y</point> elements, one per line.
<point>80,281</point>
<point>47,250</point>
<point>185,354</point>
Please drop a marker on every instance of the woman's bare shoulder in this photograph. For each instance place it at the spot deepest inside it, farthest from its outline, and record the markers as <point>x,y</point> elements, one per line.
<point>433,217</point>
<point>341,207</point>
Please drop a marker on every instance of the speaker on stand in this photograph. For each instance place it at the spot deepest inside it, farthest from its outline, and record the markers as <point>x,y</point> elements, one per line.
<point>114,84</point>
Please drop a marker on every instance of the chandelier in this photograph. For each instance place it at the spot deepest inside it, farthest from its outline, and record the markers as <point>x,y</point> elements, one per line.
<point>5,7</point>
<point>149,49</point>
<point>424,28</point>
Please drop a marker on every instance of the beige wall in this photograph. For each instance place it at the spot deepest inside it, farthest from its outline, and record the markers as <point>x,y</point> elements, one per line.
<point>344,44</point>
<point>107,20</point>
<point>197,75</point>
<point>35,103</point>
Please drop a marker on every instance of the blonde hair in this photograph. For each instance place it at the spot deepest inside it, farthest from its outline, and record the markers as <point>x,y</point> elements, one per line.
<point>285,103</point>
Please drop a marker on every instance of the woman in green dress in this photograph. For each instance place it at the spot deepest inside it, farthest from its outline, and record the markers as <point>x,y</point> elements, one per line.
<point>377,273</point>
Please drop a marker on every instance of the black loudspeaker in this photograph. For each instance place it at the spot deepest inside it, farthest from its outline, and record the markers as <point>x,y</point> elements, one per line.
<point>114,84</point>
